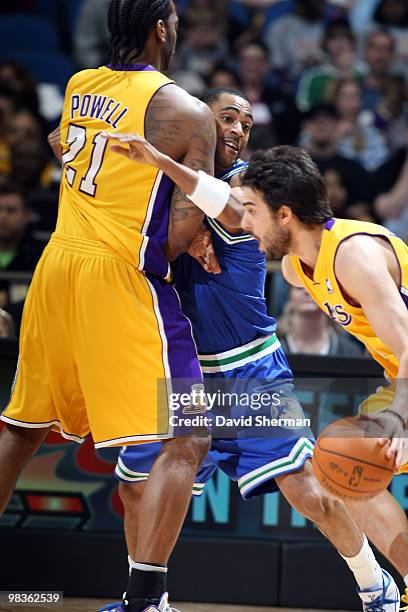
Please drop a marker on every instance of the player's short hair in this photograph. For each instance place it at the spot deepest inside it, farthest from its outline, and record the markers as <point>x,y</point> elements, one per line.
<point>214,94</point>
<point>288,176</point>
<point>130,23</point>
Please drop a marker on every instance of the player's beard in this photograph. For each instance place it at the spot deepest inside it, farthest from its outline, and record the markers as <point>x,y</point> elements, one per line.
<point>169,51</point>
<point>277,243</point>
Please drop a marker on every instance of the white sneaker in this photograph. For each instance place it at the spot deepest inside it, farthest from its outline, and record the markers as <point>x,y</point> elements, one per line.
<point>163,606</point>
<point>386,599</point>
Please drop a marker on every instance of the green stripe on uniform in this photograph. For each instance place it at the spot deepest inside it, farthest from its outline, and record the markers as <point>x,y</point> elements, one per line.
<point>305,446</point>
<point>132,476</point>
<point>252,351</point>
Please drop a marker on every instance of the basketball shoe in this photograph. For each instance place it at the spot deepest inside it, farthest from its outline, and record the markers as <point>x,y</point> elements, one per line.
<point>386,599</point>
<point>123,606</point>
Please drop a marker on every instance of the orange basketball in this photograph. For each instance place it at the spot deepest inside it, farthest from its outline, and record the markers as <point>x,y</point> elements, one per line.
<point>350,465</point>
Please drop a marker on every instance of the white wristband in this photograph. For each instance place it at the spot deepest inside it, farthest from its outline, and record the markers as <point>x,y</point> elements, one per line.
<point>211,194</point>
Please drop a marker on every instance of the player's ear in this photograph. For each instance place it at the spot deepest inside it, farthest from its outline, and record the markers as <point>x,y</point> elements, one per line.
<point>284,214</point>
<point>161,31</point>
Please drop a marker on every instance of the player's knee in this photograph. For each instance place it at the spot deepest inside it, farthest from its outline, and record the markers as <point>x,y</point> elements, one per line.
<point>21,442</point>
<point>189,451</point>
<point>130,494</point>
<point>319,507</point>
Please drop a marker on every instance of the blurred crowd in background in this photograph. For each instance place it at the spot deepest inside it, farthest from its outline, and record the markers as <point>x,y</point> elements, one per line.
<point>328,75</point>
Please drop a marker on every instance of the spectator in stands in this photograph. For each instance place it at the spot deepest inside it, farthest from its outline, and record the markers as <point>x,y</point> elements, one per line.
<point>7,327</point>
<point>203,44</point>
<point>393,14</point>
<point>223,76</point>
<point>379,56</point>
<point>19,251</point>
<point>390,115</point>
<point>91,34</point>
<point>7,110</point>
<point>339,46</point>
<point>392,207</point>
<point>276,118</point>
<point>305,328</point>
<point>294,40</point>
<point>319,137</point>
<point>31,164</point>
<point>19,81</point>
<point>357,138</point>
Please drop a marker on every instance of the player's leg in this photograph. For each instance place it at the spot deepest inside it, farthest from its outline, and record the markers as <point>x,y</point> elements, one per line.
<point>132,470</point>
<point>332,517</point>
<point>17,446</point>
<point>131,496</point>
<point>45,391</point>
<point>386,525</point>
<point>149,342</point>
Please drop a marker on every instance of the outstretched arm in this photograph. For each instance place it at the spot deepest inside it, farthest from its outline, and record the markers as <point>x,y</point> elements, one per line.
<point>195,188</point>
<point>371,284</point>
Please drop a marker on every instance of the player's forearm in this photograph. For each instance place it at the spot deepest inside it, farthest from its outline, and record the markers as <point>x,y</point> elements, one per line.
<point>184,177</point>
<point>232,214</point>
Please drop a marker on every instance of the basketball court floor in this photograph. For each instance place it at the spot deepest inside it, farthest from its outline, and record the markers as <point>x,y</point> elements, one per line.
<point>92,605</point>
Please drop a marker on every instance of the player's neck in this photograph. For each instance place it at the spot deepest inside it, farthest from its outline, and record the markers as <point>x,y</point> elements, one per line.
<point>147,58</point>
<point>306,244</point>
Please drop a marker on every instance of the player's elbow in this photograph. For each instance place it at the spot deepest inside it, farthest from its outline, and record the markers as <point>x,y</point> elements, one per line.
<point>176,248</point>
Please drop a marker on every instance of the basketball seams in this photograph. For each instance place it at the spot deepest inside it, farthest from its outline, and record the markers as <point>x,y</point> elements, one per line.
<point>338,493</point>
<point>336,453</point>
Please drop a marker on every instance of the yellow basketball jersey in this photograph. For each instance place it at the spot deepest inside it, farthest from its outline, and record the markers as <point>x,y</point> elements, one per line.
<point>104,196</point>
<point>326,292</point>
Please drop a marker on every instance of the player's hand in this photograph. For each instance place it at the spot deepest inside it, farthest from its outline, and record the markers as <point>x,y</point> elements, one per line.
<point>54,142</point>
<point>202,250</point>
<point>134,147</point>
<point>394,434</point>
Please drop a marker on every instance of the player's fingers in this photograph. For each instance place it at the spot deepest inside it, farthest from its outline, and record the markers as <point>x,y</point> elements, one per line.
<point>121,150</point>
<point>122,137</point>
<point>382,441</point>
<point>395,449</point>
<point>212,259</point>
<point>111,135</point>
<point>202,262</point>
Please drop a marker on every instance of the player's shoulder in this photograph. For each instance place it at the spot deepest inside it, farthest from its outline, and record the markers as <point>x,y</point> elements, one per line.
<point>358,252</point>
<point>180,102</point>
<point>80,78</point>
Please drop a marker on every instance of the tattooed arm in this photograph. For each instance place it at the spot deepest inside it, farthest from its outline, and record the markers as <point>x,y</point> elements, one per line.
<point>183,128</point>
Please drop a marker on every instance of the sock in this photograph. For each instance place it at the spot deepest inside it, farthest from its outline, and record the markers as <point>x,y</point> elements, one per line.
<point>406,580</point>
<point>367,572</point>
<point>147,583</point>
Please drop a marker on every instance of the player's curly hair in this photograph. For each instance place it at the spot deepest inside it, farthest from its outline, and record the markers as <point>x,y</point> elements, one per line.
<point>288,176</point>
<point>130,23</point>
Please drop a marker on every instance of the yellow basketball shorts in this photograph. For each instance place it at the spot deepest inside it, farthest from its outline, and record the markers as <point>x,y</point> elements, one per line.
<point>99,342</point>
<point>381,400</point>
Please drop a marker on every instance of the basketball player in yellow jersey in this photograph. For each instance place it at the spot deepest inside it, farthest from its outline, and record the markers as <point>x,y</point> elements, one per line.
<point>101,324</point>
<point>357,272</point>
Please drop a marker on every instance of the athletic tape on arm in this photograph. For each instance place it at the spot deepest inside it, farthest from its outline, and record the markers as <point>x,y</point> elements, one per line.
<point>210,195</point>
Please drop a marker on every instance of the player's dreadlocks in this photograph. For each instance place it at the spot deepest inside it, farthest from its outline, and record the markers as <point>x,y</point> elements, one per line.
<point>130,23</point>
